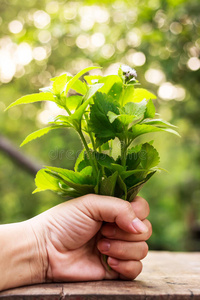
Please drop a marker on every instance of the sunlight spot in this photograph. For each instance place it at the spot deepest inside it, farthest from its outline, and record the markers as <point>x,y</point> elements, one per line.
<point>155,76</point>
<point>41,19</point>
<point>193,63</point>
<point>98,39</point>
<point>83,41</point>
<point>15,26</point>
<point>108,50</point>
<point>24,54</point>
<point>137,58</point>
<point>39,53</point>
<point>44,36</point>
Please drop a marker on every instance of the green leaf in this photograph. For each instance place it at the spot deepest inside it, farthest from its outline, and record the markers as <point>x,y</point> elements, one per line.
<point>158,122</point>
<point>73,102</point>
<point>80,87</point>
<point>36,134</point>
<point>134,190</point>
<point>87,171</point>
<point>76,117</point>
<point>74,180</point>
<point>128,94</point>
<point>141,94</point>
<point>150,110</point>
<point>124,118</point>
<point>45,182</point>
<point>76,77</point>
<point>129,173</point>
<point>108,82</point>
<point>69,175</point>
<point>33,98</point>
<point>116,167</point>
<point>149,156</point>
<point>79,159</point>
<point>133,158</point>
<point>59,83</point>
<point>116,90</point>
<point>107,186</point>
<point>99,121</point>
<point>92,90</point>
<point>121,189</point>
<point>103,159</point>
<point>138,130</point>
<point>92,79</point>
<point>136,109</point>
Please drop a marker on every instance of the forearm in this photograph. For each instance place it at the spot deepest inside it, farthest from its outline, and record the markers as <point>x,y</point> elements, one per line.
<point>22,257</point>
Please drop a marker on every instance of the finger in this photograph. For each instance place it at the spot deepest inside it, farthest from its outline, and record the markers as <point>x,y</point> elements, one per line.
<point>140,207</point>
<point>111,209</point>
<point>123,250</point>
<point>127,269</point>
<point>112,231</point>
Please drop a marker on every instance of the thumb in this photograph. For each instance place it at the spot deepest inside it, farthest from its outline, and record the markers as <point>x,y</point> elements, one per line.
<point>113,210</point>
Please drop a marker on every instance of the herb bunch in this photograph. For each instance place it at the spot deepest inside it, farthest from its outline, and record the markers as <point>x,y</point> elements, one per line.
<point>104,109</point>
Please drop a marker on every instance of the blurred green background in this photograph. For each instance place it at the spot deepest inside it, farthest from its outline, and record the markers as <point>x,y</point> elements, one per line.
<point>40,39</point>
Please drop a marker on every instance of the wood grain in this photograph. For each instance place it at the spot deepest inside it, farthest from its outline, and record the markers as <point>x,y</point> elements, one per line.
<point>166,275</point>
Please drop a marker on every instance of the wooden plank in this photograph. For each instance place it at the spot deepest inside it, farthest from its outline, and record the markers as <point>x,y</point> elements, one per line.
<point>166,275</point>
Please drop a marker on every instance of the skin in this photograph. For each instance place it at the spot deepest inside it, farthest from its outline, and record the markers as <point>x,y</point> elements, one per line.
<point>68,242</point>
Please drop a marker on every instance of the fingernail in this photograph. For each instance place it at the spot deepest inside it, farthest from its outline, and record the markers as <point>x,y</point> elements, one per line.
<point>139,226</point>
<point>104,246</point>
<point>113,261</point>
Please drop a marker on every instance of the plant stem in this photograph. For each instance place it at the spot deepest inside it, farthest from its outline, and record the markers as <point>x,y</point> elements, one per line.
<point>91,159</point>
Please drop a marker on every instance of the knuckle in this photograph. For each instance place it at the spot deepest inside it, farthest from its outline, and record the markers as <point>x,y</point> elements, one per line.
<point>132,270</point>
<point>145,250</point>
<point>120,251</point>
<point>149,233</point>
<point>137,270</point>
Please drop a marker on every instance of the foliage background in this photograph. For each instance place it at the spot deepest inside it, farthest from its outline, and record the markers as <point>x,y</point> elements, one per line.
<point>40,39</point>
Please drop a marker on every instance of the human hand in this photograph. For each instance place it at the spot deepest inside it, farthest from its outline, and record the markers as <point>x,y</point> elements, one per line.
<point>75,237</point>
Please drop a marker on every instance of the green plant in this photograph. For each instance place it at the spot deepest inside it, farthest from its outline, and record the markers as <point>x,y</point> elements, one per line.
<point>104,109</point>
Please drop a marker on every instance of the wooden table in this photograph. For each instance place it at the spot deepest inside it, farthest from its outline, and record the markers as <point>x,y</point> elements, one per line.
<point>166,275</point>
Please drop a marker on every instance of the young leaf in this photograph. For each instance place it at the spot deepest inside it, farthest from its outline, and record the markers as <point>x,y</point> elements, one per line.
<point>158,122</point>
<point>140,129</point>
<point>127,95</point>
<point>45,182</point>
<point>72,102</point>
<point>33,98</point>
<point>36,134</point>
<point>149,156</point>
<point>108,82</point>
<point>59,83</point>
<point>81,187</point>
<point>129,173</point>
<point>116,90</point>
<point>80,87</point>
<point>136,109</point>
<point>134,190</point>
<point>76,77</point>
<point>103,159</point>
<point>69,175</point>
<point>141,94</point>
<point>78,160</point>
<point>92,90</point>
<point>107,186</point>
<point>91,79</point>
<point>123,118</point>
<point>121,188</point>
<point>75,118</point>
<point>99,121</point>
<point>150,110</point>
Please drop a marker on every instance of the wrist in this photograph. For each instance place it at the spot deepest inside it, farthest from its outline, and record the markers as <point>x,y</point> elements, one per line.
<point>23,258</point>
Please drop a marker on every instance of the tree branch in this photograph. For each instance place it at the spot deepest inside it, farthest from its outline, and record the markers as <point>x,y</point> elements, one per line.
<point>18,157</point>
